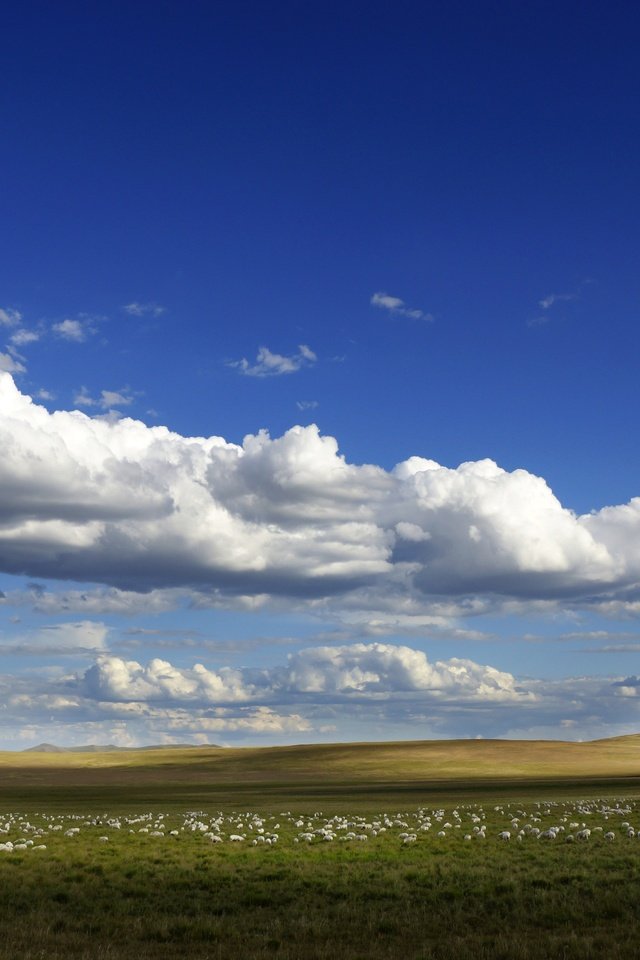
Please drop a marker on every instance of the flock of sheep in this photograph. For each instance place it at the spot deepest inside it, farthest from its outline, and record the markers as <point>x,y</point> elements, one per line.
<point>541,822</point>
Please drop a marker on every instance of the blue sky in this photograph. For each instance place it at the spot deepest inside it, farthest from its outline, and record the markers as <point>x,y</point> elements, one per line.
<point>412,225</point>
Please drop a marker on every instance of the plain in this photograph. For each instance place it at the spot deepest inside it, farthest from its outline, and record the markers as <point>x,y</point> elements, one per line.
<point>347,851</point>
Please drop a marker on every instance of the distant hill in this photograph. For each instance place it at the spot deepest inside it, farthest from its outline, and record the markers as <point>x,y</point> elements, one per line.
<point>110,748</point>
<point>318,776</point>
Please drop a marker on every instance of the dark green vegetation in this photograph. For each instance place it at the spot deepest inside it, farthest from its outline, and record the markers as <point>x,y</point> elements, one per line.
<point>144,896</point>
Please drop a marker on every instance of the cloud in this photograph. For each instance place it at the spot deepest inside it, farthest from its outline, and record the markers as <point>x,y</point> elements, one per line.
<point>546,303</point>
<point>82,398</point>
<point>357,670</point>
<point>142,508</point>
<point>73,330</point>
<point>9,317</point>
<point>374,690</point>
<point>108,398</point>
<point>270,364</point>
<point>9,364</point>
<point>126,680</point>
<point>552,298</point>
<point>115,398</point>
<point>22,337</point>
<point>136,309</point>
<point>61,638</point>
<point>397,307</point>
<point>307,404</point>
<point>372,669</point>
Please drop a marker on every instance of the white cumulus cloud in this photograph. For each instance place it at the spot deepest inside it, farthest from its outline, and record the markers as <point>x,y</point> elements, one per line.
<point>355,670</point>
<point>142,508</point>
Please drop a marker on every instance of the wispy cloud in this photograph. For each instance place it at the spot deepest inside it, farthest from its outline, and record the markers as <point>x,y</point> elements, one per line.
<point>107,400</point>
<point>115,398</point>
<point>60,638</point>
<point>552,298</point>
<point>10,364</point>
<point>307,404</point>
<point>22,337</point>
<point>398,308</point>
<point>270,364</point>
<point>137,309</point>
<point>76,331</point>
<point>82,398</point>
<point>9,317</point>
<point>538,321</point>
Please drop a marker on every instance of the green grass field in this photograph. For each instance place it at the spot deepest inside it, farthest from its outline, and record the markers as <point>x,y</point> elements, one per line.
<point>161,887</point>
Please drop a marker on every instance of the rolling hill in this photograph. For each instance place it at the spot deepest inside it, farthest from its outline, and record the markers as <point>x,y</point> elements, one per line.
<point>322,769</point>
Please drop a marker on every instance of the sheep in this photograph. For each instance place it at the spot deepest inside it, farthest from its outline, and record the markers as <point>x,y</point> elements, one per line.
<point>549,834</point>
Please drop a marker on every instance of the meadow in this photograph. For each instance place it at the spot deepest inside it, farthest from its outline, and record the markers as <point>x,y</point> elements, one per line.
<point>306,853</point>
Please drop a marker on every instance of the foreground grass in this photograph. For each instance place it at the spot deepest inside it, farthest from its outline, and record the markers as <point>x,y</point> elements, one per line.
<point>147,897</point>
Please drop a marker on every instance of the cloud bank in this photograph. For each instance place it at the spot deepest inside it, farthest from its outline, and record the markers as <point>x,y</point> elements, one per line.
<point>356,670</point>
<point>140,508</point>
<point>374,689</point>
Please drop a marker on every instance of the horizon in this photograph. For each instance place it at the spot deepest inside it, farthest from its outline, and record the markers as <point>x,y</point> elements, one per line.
<point>106,747</point>
<point>318,374</point>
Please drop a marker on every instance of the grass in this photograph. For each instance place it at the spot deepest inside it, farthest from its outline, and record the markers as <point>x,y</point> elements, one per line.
<point>437,899</point>
<point>383,762</point>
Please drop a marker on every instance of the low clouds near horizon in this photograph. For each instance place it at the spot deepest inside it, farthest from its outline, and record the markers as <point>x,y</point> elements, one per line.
<point>375,688</point>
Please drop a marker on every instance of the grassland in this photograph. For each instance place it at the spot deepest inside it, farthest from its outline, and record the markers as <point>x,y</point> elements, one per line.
<point>356,772</point>
<point>177,894</point>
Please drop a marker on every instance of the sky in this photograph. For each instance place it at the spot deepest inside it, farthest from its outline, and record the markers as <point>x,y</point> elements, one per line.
<point>319,378</point>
